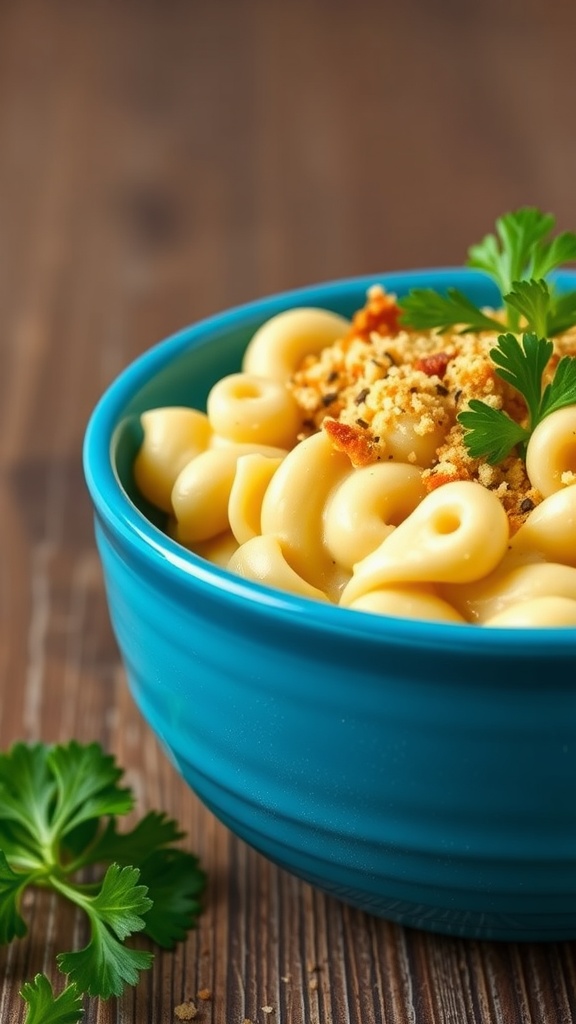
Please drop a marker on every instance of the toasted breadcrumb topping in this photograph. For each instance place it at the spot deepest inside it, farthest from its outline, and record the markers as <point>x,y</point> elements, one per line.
<point>365,389</point>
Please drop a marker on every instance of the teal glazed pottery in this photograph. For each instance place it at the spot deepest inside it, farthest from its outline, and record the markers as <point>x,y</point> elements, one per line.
<point>425,772</point>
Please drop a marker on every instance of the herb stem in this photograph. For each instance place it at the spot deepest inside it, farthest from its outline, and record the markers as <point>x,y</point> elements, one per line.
<point>71,892</point>
<point>513,318</point>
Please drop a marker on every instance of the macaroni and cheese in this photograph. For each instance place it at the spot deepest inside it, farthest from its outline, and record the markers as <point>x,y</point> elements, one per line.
<point>334,466</point>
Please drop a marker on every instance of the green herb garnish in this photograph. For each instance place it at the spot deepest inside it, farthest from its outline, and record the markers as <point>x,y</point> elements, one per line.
<point>427,310</point>
<point>59,807</point>
<point>44,1007</point>
<point>520,251</point>
<point>491,433</point>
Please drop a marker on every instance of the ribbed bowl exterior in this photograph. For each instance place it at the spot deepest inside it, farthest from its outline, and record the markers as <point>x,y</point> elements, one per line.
<point>423,772</point>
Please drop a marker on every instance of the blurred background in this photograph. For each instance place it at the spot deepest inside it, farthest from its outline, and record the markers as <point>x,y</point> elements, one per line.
<point>162,159</point>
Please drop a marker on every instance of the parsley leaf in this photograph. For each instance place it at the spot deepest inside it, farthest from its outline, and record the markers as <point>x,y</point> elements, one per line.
<point>46,1008</point>
<point>545,312</point>
<point>45,792</point>
<point>151,832</point>
<point>12,884</point>
<point>173,876</point>
<point>86,786</point>
<point>517,248</point>
<point>533,301</point>
<point>519,252</point>
<point>561,391</point>
<point>105,966</point>
<point>425,309</point>
<point>59,808</point>
<point>119,903</point>
<point>491,433</point>
<point>522,365</point>
<point>563,314</point>
<point>548,256</point>
<point>175,885</point>
<point>26,796</point>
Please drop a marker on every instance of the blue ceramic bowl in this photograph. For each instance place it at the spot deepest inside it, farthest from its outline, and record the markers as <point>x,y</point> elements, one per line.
<point>424,772</point>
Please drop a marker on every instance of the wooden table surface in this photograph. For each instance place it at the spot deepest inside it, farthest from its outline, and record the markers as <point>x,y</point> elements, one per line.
<point>161,160</point>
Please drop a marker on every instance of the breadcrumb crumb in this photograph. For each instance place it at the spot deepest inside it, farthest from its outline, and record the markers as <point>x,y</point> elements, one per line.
<point>186,1011</point>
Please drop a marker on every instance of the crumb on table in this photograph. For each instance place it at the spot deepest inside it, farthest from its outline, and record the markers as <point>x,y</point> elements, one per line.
<point>186,1011</point>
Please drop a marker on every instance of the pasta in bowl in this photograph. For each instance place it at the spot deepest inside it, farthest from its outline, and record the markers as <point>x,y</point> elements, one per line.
<point>423,770</point>
<point>336,465</point>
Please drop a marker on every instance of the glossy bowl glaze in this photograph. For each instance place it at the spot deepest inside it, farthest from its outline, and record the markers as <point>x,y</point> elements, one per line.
<point>424,772</point>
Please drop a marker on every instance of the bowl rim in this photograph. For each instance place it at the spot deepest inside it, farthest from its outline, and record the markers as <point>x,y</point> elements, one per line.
<point>114,508</point>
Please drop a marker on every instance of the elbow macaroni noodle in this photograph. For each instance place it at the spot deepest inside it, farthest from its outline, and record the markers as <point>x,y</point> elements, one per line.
<point>551,453</point>
<point>366,507</point>
<point>245,487</point>
<point>279,346</point>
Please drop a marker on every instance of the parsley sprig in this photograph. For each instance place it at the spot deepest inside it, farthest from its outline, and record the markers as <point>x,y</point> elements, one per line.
<point>491,433</point>
<point>520,251</point>
<point>59,807</point>
<point>46,1008</point>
